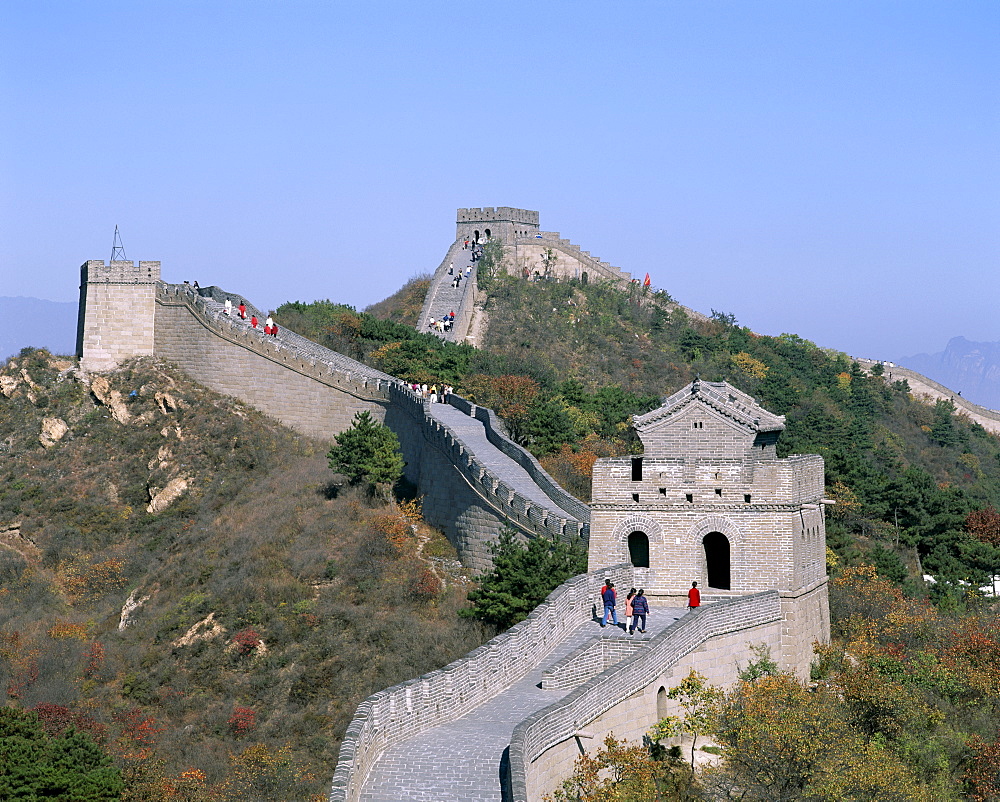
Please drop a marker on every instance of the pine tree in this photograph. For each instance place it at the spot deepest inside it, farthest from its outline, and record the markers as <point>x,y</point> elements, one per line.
<point>367,452</point>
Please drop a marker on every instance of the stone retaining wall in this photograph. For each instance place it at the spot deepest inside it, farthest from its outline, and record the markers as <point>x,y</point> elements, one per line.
<point>441,696</point>
<point>623,699</point>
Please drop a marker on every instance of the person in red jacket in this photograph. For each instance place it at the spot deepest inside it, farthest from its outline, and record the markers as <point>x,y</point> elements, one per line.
<point>253,321</point>
<point>243,310</point>
<point>694,596</point>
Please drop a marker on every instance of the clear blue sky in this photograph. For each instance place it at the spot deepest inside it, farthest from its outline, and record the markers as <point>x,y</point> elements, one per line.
<point>825,168</point>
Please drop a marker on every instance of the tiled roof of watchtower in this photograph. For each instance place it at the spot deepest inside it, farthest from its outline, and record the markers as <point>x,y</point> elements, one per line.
<point>720,396</point>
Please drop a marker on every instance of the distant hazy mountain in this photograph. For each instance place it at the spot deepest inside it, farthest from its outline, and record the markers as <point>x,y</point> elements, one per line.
<point>970,368</point>
<point>42,324</point>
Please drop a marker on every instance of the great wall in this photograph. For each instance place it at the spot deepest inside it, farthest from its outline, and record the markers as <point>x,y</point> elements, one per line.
<point>708,500</point>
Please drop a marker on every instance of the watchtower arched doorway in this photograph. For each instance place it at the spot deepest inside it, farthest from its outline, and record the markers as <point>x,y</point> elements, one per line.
<point>583,277</point>
<point>661,703</point>
<point>475,237</point>
<point>638,549</point>
<point>717,560</point>
<point>489,235</point>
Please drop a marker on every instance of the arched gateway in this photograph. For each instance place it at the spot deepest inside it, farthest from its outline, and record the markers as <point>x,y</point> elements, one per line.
<point>710,501</point>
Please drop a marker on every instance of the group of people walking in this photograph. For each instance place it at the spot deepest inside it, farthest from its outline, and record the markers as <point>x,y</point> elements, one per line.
<point>270,327</point>
<point>457,277</point>
<point>636,606</point>
<point>433,393</point>
<point>444,324</point>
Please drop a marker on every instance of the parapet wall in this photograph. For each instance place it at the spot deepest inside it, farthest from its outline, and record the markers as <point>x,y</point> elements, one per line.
<point>624,698</point>
<point>494,433</point>
<point>317,392</point>
<point>398,713</point>
<point>921,385</point>
<point>286,377</point>
<point>463,497</point>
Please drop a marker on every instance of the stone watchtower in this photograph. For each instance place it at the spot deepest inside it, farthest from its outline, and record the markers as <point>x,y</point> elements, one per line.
<point>710,501</point>
<point>503,222</point>
<point>117,309</point>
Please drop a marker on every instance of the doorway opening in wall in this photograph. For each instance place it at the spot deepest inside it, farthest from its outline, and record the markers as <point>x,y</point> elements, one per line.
<point>475,237</point>
<point>638,549</point>
<point>661,703</point>
<point>717,560</point>
<point>583,277</point>
<point>489,236</point>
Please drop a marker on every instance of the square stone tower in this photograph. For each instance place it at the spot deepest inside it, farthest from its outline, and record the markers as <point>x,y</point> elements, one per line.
<point>709,501</point>
<point>117,308</point>
<point>503,222</point>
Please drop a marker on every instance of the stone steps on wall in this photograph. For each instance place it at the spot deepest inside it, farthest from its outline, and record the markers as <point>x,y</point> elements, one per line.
<point>472,432</point>
<point>464,763</point>
<point>442,298</point>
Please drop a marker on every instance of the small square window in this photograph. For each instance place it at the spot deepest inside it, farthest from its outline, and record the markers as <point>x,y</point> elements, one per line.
<point>635,497</point>
<point>718,491</point>
<point>746,498</point>
<point>663,491</point>
<point>690,498</point>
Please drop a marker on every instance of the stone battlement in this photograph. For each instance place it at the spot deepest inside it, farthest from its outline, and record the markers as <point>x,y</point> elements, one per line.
<point>120,272</point>
<point>494,214</point>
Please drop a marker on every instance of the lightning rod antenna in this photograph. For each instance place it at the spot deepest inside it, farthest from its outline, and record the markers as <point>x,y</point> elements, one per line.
<point>118,249</point>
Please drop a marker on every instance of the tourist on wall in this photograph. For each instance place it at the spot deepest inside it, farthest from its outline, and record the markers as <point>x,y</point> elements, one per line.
<point>253,321</point>
<point>628,608</point>
<point>243,310</point>
<point>229,307</point>
<point>640,609</point>
<point>610,599</point>
<point>694,596</point>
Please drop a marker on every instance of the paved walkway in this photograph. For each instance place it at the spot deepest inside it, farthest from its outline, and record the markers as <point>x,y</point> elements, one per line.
<point>444,297</point>
<point>460,761</point>
<point>472,432</point>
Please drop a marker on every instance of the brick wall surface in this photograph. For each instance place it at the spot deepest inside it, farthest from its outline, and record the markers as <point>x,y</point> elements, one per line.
<point>623,699</point>
<point>404,710</point>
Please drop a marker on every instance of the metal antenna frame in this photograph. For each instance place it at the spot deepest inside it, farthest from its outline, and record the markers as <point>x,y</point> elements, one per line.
<point>118,249</point>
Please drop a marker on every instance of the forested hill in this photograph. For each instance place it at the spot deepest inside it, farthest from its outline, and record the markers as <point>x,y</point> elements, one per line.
<point>566,364</point>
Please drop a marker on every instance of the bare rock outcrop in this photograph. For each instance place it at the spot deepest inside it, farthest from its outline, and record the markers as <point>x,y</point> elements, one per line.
<point>112,399</point>
<point>11,538</point>
<point>169,403</point>
<point>53,430</point>
<point>132,603</point>
<point>8,385</point>
<point>206,629</point>
<point>161,498</point>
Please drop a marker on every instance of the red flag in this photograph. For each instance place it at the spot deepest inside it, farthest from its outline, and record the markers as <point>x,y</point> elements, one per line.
<point>646,282</point>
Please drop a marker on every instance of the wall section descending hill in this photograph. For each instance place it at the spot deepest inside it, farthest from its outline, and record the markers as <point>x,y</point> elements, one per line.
<point>317,392</point>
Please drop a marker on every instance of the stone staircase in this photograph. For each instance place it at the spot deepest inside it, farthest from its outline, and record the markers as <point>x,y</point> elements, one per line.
<point>442,298</point>
<point>463,759</point>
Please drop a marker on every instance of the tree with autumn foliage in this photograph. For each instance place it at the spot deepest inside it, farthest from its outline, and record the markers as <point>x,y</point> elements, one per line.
<point>699,700</point>
<point>620,772</point>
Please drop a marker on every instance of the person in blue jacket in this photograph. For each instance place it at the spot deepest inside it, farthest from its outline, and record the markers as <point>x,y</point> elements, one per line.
<point>640,609</point>
<point>610,599</point>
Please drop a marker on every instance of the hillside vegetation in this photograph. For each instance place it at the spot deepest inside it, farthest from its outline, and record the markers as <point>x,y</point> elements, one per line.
<point>216,638</point>
<point>565,364</point>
